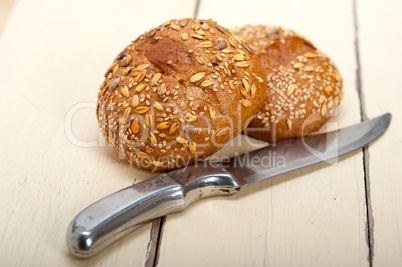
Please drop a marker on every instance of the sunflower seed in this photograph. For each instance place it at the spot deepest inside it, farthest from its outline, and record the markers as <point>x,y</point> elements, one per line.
<point>183,23</point>
<point>221,45</point>
<point>114,84</point>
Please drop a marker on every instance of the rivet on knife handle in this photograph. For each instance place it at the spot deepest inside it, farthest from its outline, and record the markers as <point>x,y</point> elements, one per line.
<point>116,215</point>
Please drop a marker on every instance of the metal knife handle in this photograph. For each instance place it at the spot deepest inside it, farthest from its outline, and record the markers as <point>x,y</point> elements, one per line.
<point>116,215</point>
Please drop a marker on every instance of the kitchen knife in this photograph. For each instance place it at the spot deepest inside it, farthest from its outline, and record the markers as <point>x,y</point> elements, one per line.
<point>118,214</point>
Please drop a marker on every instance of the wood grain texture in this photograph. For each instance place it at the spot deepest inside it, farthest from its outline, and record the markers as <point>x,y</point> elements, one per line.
<point>311,217</point>
<point>380,52</point>
<point>53,56</point>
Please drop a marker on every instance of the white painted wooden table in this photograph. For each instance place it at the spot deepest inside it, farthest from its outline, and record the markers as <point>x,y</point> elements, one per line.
<point>52,58</point>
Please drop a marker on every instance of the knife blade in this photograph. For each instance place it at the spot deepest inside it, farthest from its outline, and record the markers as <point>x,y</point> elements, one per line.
<point>118,214</point>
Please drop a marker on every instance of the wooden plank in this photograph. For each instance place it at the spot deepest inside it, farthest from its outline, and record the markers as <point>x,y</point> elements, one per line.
<point>380,43</point>
<point>53,56</point>
<point>5,10</point>
<point>312,217</point>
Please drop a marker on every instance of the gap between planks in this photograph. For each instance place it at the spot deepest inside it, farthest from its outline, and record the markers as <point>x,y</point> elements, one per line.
<point>158,224</point>
<point>366,152</point>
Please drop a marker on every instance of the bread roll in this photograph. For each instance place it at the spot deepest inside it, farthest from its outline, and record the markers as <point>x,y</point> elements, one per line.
<point>304,86</point>
<point>178,93</point>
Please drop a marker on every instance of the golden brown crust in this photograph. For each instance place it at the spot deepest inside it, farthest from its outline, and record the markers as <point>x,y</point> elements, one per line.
<point>304,86</point>
<point>179,93</point>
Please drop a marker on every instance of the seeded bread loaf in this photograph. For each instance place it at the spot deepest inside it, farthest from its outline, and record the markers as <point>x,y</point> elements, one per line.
<point>178,93</point>
<point>304,86</point>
